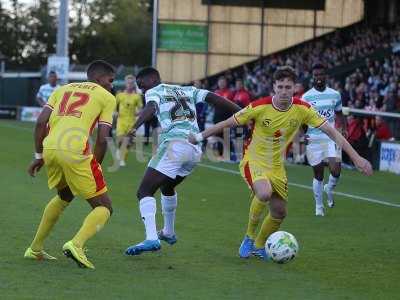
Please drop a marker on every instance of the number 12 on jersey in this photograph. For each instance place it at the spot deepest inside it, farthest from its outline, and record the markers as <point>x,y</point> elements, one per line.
<point>70,108</point>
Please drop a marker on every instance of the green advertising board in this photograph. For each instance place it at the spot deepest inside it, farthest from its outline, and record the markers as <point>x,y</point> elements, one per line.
<point>183,37</point>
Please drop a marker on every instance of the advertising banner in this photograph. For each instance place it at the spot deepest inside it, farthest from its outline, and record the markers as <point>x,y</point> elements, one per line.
<point>30,113</point>
<point>390,157</point>
<point>183,37</point>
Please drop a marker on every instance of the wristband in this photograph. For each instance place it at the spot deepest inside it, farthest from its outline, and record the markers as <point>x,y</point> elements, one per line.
<point>38,155</point>
<point>199,137</point>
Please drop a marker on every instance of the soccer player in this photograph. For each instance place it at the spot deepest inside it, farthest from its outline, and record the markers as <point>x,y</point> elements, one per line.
<point>128,105</point>
<point>69,118</point>
<point>47,89</point>
<point>320,148</point>
<point>275,120</point>
<point>175,158</point>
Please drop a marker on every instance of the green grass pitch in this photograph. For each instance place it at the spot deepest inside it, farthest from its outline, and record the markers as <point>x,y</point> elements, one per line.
<point>352,253</point>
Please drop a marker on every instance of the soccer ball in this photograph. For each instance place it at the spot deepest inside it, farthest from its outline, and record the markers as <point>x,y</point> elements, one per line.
<point>282,247</point>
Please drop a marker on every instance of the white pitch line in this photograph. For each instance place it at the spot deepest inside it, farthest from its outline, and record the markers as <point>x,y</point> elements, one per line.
<point>238,173</point>
<point>309,187</point>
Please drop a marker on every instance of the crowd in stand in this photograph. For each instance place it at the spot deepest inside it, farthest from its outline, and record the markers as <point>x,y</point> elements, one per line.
<point>374,86</point>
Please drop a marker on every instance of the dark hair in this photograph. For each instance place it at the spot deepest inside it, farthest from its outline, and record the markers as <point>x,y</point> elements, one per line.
<point>148,71</point>
<point>285,72</point>
<point>99,67</point>
<point>52,73</point>
<point>318,66</point>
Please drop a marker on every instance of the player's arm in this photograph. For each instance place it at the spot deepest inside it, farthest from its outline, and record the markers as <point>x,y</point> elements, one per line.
<point>39,98</point>
<point>221,103</point>
<point>213,130</point>
<point>145,115</point>
<point>39,135</point>
<point>40,101</point>
<point>100,148</point>
<point>361,163</point>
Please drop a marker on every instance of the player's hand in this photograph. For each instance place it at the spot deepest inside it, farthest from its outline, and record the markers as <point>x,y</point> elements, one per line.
<point>35,167</point>
<point>363,166</point>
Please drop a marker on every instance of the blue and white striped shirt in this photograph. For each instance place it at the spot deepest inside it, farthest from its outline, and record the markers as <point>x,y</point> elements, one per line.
<point>326,103</point>
<point>45,91</point>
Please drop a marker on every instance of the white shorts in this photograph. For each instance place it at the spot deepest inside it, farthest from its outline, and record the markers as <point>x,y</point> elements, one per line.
<point>319,150</point>
<point>176,158</point>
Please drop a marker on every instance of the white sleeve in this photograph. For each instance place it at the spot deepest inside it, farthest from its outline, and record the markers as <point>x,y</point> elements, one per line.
<point>338,106</point>
<point>152,96</point>
<point>199,95</point>
<point>40,93</point>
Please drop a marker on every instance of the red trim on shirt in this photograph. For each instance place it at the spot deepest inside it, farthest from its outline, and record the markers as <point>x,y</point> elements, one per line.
<point>247,174</point>
<point>248,141</point>
<point>262,101</point>
<point>299,101</point>
<point>97,174</point>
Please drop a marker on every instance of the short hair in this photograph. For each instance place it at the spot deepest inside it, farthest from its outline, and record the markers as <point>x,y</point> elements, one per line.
<point>148,71</point>
<point>99,67</point>
<point>285,72</point>
<point>52,73</point>
<point>130,76</point>
<point>318,66</point>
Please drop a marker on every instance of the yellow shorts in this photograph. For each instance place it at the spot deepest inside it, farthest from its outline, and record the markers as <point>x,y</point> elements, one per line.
<point>251,172</point>
<point>123,127</point>
<point>81,173</point>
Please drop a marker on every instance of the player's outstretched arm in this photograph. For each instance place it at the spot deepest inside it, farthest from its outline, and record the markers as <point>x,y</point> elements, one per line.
<point>221,103</point>
<point>361,163</point>
<point>100,148</point>
<point>39,135</point>
<point>145,115</point>
<point>217,128</point>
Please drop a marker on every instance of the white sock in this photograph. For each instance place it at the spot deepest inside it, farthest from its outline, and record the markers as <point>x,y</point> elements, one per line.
<point>169,204</point>
<point>317,188</point>
<point>148,210</point>
<point>332,182</point>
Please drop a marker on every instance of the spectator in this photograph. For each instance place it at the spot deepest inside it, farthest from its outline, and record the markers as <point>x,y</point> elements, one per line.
<point>382,131</point>
<point>242,96</point>
<point>298,90</point>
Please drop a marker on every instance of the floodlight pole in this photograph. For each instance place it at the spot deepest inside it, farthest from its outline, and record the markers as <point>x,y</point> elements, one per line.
<point>62,29</point>
<point>155,32</point>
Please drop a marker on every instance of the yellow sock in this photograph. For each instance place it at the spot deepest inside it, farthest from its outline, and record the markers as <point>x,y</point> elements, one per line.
<point>257,207</point>
<point>53,210</point>
<point>93,223</point>
<point>269,226</point>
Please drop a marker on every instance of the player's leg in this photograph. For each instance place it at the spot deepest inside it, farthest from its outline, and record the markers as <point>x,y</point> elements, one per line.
<point>315,155</point>
<point>273,220</point>
<point>93,223</point>
<point>169,202</point>
<point>122,141</point>
<point>253,173</point>
<point>84,176</point>
<point>151,182</point>
<point>275,193</point>
<point>334,163</point>
<point>263,191</point>
<point>50,216</point>
<point>257,209</point>
<point>318,182</point>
